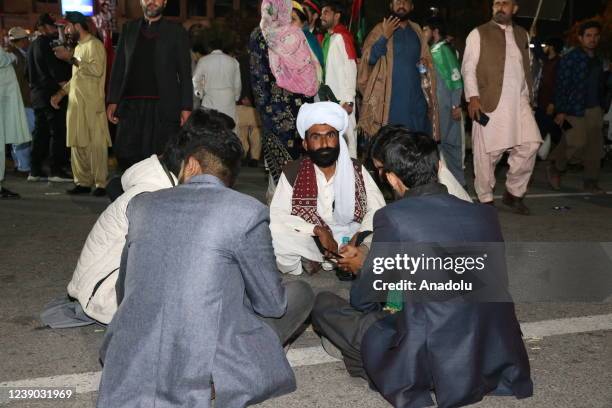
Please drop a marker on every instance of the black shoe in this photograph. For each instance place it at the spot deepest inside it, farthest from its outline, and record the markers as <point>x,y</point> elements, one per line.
<point>516,203</point>
<point>8,194</point>
<point>79,190</point>
<point>99,192</point>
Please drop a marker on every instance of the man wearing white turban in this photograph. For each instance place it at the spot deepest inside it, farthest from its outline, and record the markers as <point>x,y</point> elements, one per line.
<point>323,199</point>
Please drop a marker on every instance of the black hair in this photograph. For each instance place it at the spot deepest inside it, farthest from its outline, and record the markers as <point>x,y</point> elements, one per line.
<point>436,23</point>
<point>303,18</point>
<point>589,24</point>
<point>336,7</point>
<point>556,43</point>
<point>411,156</point>
<point>208,137</point>
<point>380,140</point>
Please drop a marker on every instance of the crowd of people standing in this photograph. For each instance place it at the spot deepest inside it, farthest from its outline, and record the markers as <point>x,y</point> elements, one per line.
<point>204,265</point>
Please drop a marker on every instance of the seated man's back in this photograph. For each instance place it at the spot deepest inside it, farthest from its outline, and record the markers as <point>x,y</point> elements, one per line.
<point>197,288</point>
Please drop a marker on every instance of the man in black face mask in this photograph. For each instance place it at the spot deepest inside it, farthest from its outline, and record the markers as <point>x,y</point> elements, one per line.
<point>322,200</point>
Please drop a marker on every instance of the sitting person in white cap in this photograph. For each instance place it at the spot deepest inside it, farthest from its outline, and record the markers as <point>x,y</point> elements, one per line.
<point>323,199</point>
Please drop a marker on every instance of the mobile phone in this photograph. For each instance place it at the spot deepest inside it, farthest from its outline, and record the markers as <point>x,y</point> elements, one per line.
<point>484,119</point>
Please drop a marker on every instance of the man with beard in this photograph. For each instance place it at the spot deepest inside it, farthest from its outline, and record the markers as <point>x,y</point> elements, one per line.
<point>580,100</point>
<point>458,346</point>
<point>150,91</point>
<point>312,8</point>
<point>389,77</point>
<point>498,82</point>
<point>450,88</point>
<point>323,199</point>
<point>87,133</point>
<point>47,74</point>
<point>340,64</point>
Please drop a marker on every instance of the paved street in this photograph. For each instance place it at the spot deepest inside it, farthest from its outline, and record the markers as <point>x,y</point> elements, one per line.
<point>569,344</point>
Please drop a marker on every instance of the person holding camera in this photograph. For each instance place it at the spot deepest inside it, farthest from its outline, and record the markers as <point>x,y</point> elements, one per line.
<point>499,88</point>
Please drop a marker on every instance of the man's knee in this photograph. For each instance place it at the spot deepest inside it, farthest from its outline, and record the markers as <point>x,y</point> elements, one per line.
<point>323,303</point>
<point>301,294</point>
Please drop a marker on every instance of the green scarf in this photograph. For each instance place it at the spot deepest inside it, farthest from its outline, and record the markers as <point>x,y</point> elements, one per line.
<point>326,41</point>
<point>447,64</point>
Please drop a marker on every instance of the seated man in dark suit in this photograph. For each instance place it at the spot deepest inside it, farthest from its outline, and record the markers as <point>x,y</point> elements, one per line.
<point>461,350</point>
<point>200,298</point>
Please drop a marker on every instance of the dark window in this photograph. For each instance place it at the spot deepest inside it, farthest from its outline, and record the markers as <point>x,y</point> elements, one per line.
<point>223,8</point>
<point>196,8</point>
<point>173,8</point>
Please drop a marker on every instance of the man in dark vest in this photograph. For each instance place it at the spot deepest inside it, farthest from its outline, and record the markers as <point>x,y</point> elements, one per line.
<point>324,199</point>
<point>498,83</point>
<point>150,91</point>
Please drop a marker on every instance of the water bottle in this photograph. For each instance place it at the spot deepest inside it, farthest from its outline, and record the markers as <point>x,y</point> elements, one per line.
<point>345,241</point>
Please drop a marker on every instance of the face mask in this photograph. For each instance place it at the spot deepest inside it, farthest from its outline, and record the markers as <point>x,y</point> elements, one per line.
<point>325,157</point>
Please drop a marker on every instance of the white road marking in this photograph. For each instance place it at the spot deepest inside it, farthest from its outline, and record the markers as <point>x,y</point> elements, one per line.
<point>300,357</point>
<point>553,195</point>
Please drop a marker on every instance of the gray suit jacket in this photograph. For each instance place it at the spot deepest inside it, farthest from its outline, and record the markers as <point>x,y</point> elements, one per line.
<point>197,266</point>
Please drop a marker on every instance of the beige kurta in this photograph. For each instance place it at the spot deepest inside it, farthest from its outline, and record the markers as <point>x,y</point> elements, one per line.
<point>511,126</point>
<point>86,118</point>
<point>512,123</point>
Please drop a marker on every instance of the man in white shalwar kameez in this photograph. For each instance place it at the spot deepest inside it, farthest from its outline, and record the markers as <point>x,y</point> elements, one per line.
<point>504,96</point>
<point>325,196</point>
<point>216,81</point>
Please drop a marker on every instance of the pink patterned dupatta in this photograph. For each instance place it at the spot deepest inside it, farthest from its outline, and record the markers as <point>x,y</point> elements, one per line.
<point>290,57</point>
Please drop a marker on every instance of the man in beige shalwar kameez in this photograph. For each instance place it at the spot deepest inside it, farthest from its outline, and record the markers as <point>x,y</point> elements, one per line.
<point>504,96</point>
<point>87,134</point>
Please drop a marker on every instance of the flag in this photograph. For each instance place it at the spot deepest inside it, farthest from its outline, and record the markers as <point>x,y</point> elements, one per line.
<point>358,18</point>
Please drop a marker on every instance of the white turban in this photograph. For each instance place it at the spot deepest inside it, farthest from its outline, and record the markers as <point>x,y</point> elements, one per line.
<point>332,114</point>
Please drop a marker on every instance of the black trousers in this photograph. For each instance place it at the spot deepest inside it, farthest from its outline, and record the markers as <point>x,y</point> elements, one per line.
<point>49,130</point>
<point>141,132</point>
<point>334,318</point>
<point>300,299</point>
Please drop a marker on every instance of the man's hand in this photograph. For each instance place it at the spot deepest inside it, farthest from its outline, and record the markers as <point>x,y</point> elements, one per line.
<point>352,258</point>
<point>560,119</point>
<point>456,113</point>
<point>184,117</point>
<point>327,240</point>
<point>246,101</point>
<point>56,99</point>
<point>389,25</point>
<point>110,113</point>
<point>63,53</point>
<point>474,108</point>
<point>348,107</point>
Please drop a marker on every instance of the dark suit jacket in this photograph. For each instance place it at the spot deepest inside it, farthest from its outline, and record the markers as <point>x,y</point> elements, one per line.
<point>172,68</point>
<point>197,266</point>
<point>463,350</point>
<point>45,72</point>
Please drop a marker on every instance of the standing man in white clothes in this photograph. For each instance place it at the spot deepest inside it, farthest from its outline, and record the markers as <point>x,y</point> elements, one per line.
<point>340,56</point>
<point>498,83</point>
<point>216,81</point>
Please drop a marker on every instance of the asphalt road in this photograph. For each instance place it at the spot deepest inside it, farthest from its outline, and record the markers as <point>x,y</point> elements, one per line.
<point>569,344</point>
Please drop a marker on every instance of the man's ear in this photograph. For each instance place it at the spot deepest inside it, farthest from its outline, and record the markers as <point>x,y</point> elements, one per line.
<point>304,144</point>
<point>515,9</point>
<point>396,183</point>
<point>192,168</point>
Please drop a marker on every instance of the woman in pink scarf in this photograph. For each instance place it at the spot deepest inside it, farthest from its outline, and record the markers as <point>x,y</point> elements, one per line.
<point>290,58</point>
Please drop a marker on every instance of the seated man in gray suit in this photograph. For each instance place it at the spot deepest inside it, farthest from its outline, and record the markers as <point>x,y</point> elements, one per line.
<point>461,349</point>
<point>200,298</point>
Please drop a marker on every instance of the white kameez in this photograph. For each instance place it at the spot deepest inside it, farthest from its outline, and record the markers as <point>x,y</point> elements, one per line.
<point>341,77</point>
<point>216,81</point>
<point>292,236</point>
